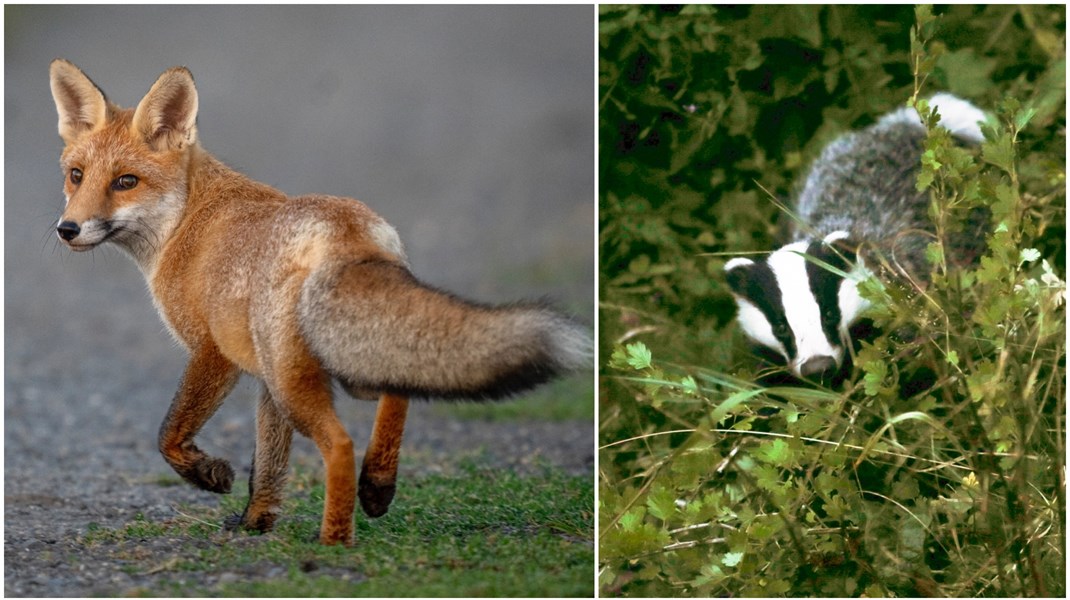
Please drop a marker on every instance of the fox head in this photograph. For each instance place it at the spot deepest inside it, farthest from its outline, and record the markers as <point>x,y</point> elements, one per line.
<point>124,170</point>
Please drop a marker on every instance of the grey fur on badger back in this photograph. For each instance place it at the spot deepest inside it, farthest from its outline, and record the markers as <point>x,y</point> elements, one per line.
<point>860,193</point>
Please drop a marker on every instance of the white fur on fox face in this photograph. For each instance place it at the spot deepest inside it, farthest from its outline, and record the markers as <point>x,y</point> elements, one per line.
<point>800,307</point>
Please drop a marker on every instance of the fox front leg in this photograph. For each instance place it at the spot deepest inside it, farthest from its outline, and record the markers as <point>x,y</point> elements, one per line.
<point>208,379</point>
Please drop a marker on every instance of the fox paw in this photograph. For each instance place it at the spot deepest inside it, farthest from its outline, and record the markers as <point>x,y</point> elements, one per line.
<point>232,523</point>
<point>262,524</point>
<point>212,474</point>
<point>375,498</point>
<point>341,537</point>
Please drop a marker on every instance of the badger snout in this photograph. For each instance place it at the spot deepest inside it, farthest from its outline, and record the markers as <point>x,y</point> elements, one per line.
<point>817,365</point>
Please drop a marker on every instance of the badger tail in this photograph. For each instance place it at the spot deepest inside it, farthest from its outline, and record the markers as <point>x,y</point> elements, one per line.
<point>958,116</point>
<point>377,329</point>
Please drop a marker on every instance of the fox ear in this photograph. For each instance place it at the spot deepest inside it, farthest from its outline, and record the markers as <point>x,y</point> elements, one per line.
<point>167,116</point>
<point>80,103</point>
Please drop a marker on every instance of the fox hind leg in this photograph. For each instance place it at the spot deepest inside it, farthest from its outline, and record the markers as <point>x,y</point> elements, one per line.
<point>378,474</point>
<point>302,391</point>
<point>271,462</point>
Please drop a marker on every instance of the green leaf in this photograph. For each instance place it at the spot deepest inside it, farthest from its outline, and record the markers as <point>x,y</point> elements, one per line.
<point>731,559</point>
<point>639,356</point>
<point>991,270</point>
<point>952,357</point>
<point>777,452</point>
<point>632,520</point>
<point>999,152</point>
<point>925,179</point>
<point>873,381</point>
<point>661,502</point>
<point>934,253</point>
<point>836,508</point>
<point>981,382</point>
<point>689,385</point>
<point>725,408</point>
<point>709,573</point>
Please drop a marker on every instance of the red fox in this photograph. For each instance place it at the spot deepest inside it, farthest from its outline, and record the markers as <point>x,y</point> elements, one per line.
<point>298,292</point>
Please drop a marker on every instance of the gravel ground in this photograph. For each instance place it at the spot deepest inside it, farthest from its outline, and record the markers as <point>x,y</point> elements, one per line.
<point>470,130</point>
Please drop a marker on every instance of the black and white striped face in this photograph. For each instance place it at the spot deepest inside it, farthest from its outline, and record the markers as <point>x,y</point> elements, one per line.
<point>798,307</point>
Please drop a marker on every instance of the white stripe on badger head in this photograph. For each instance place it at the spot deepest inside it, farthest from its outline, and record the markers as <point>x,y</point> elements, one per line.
<point>850,300</point>
<point>800,307</point>
<point>851,305</point>
<point>756,326</point>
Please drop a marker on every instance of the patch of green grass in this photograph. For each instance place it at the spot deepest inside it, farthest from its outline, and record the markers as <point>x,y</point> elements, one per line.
<point>138,528</point>
<point>481,533</point>
<point>571,398</point>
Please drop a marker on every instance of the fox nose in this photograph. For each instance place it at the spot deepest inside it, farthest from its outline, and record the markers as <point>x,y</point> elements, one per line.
<point>68,230</point>
<point>817,365</point>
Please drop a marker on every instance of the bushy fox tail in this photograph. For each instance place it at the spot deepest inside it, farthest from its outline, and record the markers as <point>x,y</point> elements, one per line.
<point>377,329</point>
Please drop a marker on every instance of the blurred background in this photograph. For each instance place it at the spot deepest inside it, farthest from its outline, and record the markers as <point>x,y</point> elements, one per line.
<point>468,129</point>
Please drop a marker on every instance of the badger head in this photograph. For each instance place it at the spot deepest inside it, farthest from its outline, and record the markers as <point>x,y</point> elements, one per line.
<point>800,307</point>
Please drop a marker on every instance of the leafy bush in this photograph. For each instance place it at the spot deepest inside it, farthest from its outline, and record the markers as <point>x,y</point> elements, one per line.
<point>937,468</point>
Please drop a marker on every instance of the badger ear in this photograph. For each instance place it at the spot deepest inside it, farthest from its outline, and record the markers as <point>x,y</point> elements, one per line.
<point>736,273</point>
<point>836,236</point>
<point>80,103</point>
<point>843,244</point>
<point>167,116</point>
<point>737,262</point>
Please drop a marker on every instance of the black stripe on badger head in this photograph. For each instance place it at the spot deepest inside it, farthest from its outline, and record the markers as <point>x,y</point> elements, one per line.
<point>757,284</point>
<point>825,284</point>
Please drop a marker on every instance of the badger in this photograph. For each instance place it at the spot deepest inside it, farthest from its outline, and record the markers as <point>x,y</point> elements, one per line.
<point>860,193</point>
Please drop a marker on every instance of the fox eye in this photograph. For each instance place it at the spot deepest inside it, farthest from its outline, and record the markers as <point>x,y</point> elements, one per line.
<point>76,176</point>
<point>124,182</point>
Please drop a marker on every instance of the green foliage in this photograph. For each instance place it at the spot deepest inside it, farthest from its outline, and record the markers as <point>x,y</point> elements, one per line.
<point>937,468</point>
